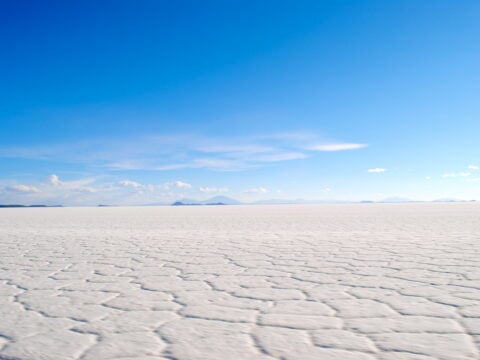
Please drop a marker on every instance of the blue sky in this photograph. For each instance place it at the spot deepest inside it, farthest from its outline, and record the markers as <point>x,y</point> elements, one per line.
<point>126,102</point>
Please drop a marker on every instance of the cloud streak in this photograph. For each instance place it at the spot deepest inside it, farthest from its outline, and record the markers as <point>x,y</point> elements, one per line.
<point>23,188</point>
<point>376,170</point>
<point>338,147</point>
<point>210,190</point>
<point>177,152</point>
<point>151,187</point>
<point>129,183</point>
<point>257,190</point>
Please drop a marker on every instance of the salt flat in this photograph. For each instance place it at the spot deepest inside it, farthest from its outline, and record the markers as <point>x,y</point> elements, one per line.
<point>359,282</point>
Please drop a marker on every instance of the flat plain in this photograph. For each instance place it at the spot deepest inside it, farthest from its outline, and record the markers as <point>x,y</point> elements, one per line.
<point>346,282</point>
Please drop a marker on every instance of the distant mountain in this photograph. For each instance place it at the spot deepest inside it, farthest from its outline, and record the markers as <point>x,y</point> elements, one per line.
<point>189,201</point>
<point>156,204</point>
<point>221,199</point>
<point>224,200</point>
<point>452,200</point>
<point>446,200</point>
<point>28,206</point>
<point>182,203</point>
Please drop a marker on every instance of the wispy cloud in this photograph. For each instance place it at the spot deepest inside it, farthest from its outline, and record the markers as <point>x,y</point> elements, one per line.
<point>338,147</point>
<point>282,156</point>
<point>129,183</point>
<point>257,190</point>
<point>152,187</point>
<point>376,170</point>
<point>55,181</point>
<point>236,149</point>
<point>184,151</point>
<point>213,189</point>
<point>181,185</point>
<point>473,167</point>
<point>23,188</point>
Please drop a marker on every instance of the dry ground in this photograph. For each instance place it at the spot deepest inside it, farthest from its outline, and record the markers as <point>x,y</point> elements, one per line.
<point>347,282</point>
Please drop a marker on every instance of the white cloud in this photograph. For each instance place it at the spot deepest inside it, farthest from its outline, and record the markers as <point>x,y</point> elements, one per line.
<point>129,183</point>
<point>219,164</point>
<point>338,147</point>
<point>181,151</point>
<point>54,180</point>
<point>428,178</point>
<point>455,175</point>
<point>181,185</point>
<point>326,190</point>
<point>258,190</point>
<point>86,189</point>
<point>24,188</point>
<point>298,136</point>
<point>170,185</point>
<point>240,148</point>
<point>281,156</point>
<point>54,191</point>
<point>376,170</point>
<point>150,187</point>
<point>473,167</point>
<point>213,189</point>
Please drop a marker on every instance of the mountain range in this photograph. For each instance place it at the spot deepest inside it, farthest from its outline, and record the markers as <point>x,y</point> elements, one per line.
<point>225,200</point>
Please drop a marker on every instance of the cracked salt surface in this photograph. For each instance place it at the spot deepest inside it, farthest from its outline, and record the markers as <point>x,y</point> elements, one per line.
<point>359,282</point>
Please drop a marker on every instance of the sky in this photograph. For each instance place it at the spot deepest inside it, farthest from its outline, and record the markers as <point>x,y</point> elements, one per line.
<point>150,101</point>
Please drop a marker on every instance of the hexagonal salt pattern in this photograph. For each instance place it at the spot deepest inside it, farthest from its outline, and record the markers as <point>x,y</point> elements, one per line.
<point>359,282</point>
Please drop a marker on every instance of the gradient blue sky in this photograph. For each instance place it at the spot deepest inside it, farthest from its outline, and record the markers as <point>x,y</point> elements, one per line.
<point>133,102</point>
